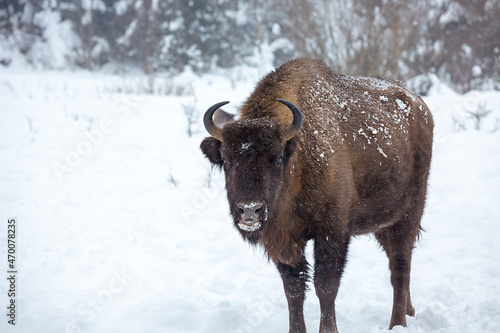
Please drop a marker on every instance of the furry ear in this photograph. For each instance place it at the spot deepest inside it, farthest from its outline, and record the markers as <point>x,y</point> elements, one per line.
<point>211,149</point>
<point>290,148</point>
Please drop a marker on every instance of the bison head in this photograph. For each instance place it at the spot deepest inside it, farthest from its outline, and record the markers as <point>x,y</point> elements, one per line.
<point>255,155</point>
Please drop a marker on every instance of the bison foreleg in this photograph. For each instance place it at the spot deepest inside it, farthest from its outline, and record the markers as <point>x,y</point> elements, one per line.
<point>330,257</point>
<point>294,282</point>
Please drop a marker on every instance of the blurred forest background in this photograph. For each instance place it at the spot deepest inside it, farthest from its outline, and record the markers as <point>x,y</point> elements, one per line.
<point>457,40</point>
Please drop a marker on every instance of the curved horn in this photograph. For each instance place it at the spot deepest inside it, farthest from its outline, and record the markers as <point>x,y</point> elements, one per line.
<point>294,128</point>
<point>208,121</point>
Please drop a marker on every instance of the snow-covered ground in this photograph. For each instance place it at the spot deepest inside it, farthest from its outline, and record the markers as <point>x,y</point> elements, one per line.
<point>123,227</point>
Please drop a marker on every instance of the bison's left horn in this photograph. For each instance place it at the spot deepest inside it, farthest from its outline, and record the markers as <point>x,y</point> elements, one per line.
<point>294,128</point>
<point>208,121</point>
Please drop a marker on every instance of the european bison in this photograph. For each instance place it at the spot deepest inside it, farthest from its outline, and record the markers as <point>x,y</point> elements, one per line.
<point>321,156</point>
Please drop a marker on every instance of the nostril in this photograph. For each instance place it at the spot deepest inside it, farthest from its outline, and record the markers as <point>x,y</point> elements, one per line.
<point>262,211</point>
<point>257,206</point>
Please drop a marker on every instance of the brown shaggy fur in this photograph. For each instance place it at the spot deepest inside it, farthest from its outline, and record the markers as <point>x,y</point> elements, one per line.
<point>359,165</point>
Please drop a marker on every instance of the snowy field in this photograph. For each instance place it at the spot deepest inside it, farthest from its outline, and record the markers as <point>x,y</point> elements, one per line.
<point>123,227</point>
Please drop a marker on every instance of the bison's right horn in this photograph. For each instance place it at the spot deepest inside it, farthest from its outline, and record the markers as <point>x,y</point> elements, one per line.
<point>209,122</point>
<point>294,128</point>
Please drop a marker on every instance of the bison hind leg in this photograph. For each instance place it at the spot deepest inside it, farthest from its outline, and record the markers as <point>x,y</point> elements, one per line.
<point>398,242</point>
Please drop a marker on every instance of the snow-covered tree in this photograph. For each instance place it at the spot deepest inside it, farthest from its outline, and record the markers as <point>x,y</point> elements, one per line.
<point>457,40</point>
